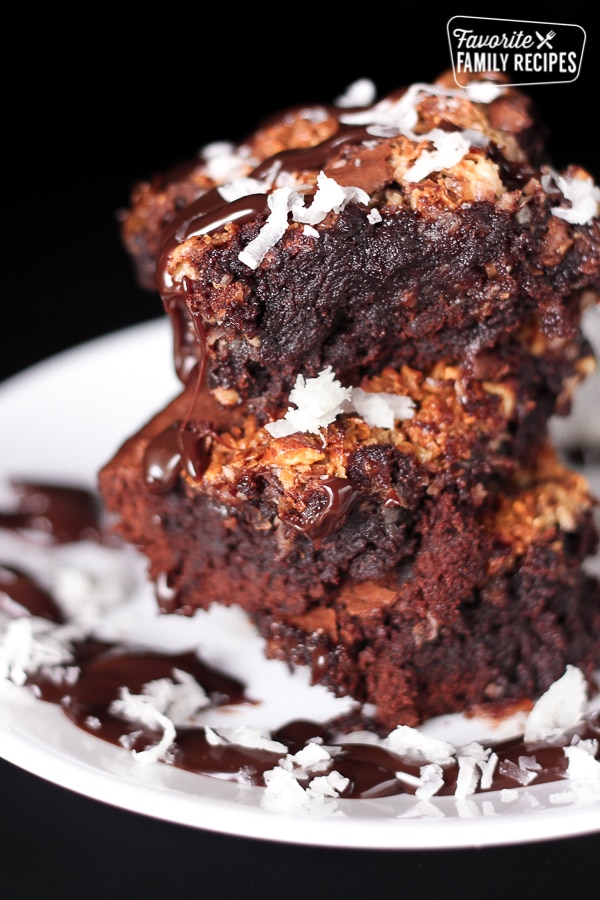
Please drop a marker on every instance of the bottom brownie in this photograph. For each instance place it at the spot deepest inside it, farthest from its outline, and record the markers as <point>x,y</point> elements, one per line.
<point>444,584</point>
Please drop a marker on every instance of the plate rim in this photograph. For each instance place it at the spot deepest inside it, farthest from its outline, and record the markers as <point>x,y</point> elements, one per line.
<point>46,762</point>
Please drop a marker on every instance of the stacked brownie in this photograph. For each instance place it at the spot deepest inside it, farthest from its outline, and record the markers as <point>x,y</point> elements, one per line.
<point>376,310</point>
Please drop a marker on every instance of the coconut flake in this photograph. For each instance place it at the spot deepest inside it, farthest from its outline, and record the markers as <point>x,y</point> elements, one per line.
<point>583,195</point>
<point>30,644</point>
<point>241,187</point>
<point>583,764</point>
<point>450,148</point>
<point>312,758</point>
<point>317,402</point>
<point>251,738</point>
<point>179,697</point>
<point>418,747</point>
<point>431,781</point>
<point>361,92</point>
<point>387,116</point>
<point>283,791</point>
<point>279,203</point>
<point>519,774</point>
<point>85,596</point>
<point>380,409</point>
<point>324,786</point>
<point>223,162</point>
<point>394,115</point>
<point>562,707</point>
<point>467,778</point>
<point>483,91</point>
<point>163,704</point>
<point>142,708</point>
<point>329,197</point>
<point>473,763</point>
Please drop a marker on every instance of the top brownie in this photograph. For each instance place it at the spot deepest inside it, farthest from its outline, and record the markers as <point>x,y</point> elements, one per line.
<point>428,225</point>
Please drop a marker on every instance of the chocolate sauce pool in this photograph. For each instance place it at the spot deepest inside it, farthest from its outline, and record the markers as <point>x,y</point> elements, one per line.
<point>105,668</point>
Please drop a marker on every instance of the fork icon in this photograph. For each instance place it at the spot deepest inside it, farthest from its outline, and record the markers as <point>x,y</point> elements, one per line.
<point>545,41</point>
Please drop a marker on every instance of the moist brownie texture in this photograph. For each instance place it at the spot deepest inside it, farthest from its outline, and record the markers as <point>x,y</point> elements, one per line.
<point>407,568</point>
<point>425,225</point>
<point>376,309</point>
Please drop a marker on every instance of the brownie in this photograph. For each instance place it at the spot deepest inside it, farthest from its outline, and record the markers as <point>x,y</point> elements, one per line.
<point>386,556</point>
<point>376,311</point>
<point>424,226</point>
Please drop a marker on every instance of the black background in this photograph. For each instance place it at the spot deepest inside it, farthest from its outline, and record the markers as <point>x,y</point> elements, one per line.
<point>91,106</point>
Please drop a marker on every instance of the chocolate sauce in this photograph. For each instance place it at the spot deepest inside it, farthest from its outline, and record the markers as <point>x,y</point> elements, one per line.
<point>209,212</point>
<point>372,770</point>
<point>185,349</point>
<point>335,498</point>
<point>205,214</point>
<point>21,593</point>
<point>99,671</point>
<point>181,445</point>
<point>64,513</point>
<point>581,455</point>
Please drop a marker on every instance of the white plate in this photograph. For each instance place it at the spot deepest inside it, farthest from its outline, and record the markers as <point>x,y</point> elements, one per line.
<point>62,420</point>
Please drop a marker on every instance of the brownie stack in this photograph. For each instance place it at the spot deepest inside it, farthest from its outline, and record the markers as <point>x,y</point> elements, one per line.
<point>376,310</point>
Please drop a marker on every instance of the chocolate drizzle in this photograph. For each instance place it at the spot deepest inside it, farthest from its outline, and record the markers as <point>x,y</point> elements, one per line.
<point>327,510</point>
<point>99,671</point>
<point>210,212</point>
<point>63,513</point>
<point>180,446</point>
<point>21,593</point>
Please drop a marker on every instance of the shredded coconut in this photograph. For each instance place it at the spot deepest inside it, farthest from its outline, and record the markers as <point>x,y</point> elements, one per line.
<point>318,401</point>
<point>473,760</point>
<point>223,162</point>
<point>450,147</point>
<point>331,785</point>
<point>283,790</point>
<point>30,644</point>
<point>273,229</point>
<point>244,736</point>
<point>380,409</point>
<point>431,780</point>
<point>361,92</point>
<point>329,197</point>
<point>85,596</point>
<point>517,772</point>
<point>413,744</point>
<point>582,763</point>
<point>312,758</point>
<point>163,704</point>
<point>142,708</point>
<point>241,187</point>
<point>179,697</point>
<point>483,91</point>
<point>560,708</point>
<point>381,119</point>
<point>583,195</point>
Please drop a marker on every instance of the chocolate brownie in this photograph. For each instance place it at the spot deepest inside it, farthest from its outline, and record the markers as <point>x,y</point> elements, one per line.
<point>377,310</point>
<point>383,554</point>
<point>424,226</point>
